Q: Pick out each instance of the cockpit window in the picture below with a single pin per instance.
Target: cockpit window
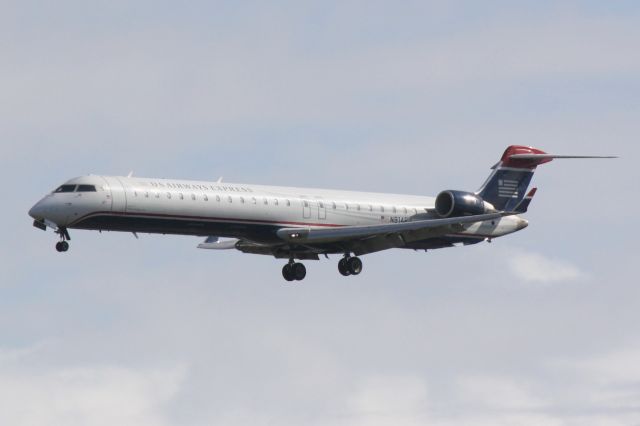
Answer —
(66, 188)
(86, 188)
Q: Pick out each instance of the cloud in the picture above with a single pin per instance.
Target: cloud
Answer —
(536, 268)
(497, 393)
(98, 395)
(621, 366)
(382, 400)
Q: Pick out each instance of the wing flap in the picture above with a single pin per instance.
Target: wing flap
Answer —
(214, 243)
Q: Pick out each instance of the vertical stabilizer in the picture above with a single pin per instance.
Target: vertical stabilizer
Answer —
(507, 185)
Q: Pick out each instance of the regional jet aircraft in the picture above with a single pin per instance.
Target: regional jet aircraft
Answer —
(297, 223)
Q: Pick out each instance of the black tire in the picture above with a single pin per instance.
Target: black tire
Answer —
(342, 267)
(354, 265)
(287, 272)
(59, 246)
(299, 271)
(64, 245)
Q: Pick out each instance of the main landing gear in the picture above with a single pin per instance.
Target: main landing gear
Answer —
(63, 245)
(294, 271)
(350, 265)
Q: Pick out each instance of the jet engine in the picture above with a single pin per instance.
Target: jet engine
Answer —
(460, 203)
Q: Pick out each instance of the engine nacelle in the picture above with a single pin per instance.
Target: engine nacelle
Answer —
(460, 203)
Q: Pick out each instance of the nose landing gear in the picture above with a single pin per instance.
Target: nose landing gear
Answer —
(63, 245)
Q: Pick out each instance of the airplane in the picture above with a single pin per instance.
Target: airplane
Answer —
(297, 223)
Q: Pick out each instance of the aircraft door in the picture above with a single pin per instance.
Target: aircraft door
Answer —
(306, 209)
(322, 210)
(117, 193)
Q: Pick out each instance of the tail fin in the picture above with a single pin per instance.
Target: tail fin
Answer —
(507, 185)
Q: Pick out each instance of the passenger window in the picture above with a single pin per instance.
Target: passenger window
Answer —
(395, 210)
(168, 195)
(404, 210)
(358, 207)
(346, 206)
(242, 200)
(253, 200)
(275, 201)
(157, 195)
(86, 188)
(382, 209)
(217, 198)
(66, 188)
(205, 197)
(306, 204)
(333, 205)
(266, 201)
(181, 196)
(230, 199)
(193, 196)
(370, 208)
(320, 204)
(146, 195)
(288, 203)
(415, 211)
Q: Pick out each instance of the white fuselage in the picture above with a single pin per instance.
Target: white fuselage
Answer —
(253, 212)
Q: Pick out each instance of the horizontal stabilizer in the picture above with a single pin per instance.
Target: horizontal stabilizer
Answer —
(526, 157)
(553, 156)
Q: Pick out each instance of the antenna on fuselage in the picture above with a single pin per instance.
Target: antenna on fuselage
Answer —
(219, 180)
(130, 174)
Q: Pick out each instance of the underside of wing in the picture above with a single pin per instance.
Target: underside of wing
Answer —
(310, 243)
(372, 238)
(347, 233)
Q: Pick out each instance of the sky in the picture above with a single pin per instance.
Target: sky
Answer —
(537, 328)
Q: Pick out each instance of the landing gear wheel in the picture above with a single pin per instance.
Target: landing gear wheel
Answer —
(299, 271)
(62, 246)
(287, 272)
(354, 265)
(294, 271)
(342, 267)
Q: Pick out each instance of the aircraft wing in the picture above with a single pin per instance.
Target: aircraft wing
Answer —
(404, 230)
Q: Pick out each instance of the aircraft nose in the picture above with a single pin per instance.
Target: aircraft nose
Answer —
(36, 211)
